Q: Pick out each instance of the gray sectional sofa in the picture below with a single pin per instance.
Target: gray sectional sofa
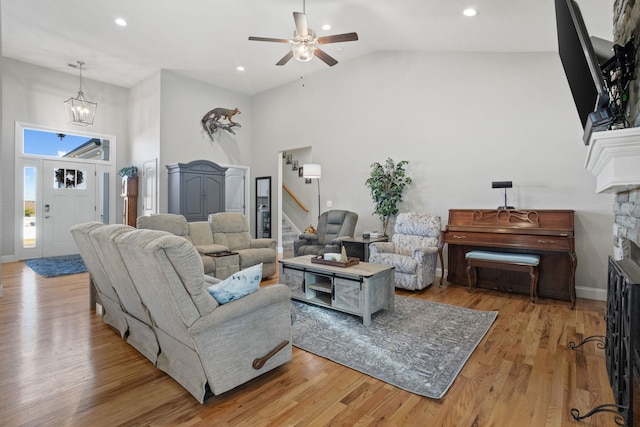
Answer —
(153, 289)
(222, 233)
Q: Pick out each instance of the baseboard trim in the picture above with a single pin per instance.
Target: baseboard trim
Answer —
(597, 294)
(8, 258)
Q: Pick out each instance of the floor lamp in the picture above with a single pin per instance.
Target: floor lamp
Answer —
(313, 171)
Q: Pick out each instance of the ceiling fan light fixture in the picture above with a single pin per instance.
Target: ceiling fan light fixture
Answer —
(303, 51)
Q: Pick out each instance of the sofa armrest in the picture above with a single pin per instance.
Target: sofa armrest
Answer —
(263, 243)
(213, 248)
(381, 247)
(312, 237)
(338, 240)
(421, 253)
(238, 309)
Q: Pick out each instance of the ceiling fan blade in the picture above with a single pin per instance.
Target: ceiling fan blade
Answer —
(347, 37)
(329, 60)
(301, 23)
(285, 58)
(268, 39)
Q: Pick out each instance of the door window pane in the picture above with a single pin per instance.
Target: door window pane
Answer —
(44, 143)
(69, 178)
(29, 208)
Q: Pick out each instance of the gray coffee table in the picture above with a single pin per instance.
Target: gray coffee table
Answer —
(362, 289)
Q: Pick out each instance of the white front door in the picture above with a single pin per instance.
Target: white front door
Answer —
(68, 198)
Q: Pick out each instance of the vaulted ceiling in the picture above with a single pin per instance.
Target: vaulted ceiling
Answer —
(207, 39)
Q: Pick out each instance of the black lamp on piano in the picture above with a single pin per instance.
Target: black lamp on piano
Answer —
(505, 185)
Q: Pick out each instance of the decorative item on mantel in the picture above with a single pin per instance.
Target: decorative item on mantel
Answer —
(213, 120)
(387, 183)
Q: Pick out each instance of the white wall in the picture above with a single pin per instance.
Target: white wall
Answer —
(144, 130)
(33, 94)
(183, 104)
(462, 121)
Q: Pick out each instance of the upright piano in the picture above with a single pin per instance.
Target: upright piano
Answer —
(547, 233)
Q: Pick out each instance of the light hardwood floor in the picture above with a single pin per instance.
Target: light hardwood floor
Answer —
(61, 365)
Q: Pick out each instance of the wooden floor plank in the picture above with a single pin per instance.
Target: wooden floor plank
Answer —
(61, 365)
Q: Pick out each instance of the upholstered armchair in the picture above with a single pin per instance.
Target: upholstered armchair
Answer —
(333, 226)
(232, 230)
(413, 250)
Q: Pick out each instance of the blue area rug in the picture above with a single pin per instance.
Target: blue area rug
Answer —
(57, 265)
(421, 347)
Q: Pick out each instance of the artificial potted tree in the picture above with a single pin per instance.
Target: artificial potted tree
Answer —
(387, 183)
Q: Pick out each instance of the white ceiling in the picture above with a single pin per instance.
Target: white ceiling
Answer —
(207, 39)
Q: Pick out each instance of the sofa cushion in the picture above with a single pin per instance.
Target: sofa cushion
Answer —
(200, 233)
(238, 285)
(172, 223)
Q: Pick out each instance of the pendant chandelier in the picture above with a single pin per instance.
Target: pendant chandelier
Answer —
(79, 111)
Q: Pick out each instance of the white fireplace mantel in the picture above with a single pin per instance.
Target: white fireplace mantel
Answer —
(614, 159)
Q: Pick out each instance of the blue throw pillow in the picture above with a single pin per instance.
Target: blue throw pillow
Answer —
(237, 285)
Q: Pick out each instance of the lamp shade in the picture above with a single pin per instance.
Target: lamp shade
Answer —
(311, 170)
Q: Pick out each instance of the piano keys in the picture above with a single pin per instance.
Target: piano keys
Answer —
(547, 233)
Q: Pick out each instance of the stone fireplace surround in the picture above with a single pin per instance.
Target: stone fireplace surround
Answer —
(614, 159)
(614, 156)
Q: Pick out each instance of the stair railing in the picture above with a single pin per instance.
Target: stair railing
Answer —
(298, 202)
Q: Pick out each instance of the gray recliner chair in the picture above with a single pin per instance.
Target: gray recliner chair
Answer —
(333, 226)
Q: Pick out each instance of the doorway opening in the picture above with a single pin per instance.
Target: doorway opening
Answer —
(63, 179)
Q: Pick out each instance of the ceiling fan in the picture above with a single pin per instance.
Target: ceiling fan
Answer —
(304, 43)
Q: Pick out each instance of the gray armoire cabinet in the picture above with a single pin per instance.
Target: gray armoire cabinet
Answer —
(196, 189)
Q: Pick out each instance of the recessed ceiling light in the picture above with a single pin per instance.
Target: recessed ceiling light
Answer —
(240, 68)
(326, 27)
(470, 12)
(120, 21)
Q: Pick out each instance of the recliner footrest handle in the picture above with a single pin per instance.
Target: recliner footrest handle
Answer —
(260, 361)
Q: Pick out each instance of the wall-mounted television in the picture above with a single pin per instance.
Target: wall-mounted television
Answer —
(583, 69)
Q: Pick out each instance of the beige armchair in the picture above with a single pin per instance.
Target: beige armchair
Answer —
(413, 250)
(333, 226)
(232, 230)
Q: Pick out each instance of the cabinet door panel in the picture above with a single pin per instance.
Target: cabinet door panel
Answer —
(347, 295)
(214, 190)
(194, 194)
(294, 279)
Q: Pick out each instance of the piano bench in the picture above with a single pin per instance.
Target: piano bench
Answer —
(504, 261)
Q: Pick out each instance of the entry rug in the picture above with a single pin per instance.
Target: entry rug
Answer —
(57, 265)
(421, 347)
